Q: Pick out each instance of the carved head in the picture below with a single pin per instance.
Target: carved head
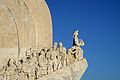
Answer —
(33, 53)
(50, 49)
(45, 49)
(28, 52)
(42, 53)
(55, 46)
(22, 60)
(60, 44)
(75, 34)
(73, 48)
(10, 62)
(64, 50)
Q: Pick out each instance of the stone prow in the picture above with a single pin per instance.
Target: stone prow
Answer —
(27, 24)
(55, 63)
(72, 72)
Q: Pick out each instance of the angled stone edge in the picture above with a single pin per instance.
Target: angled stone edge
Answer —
(72, 72)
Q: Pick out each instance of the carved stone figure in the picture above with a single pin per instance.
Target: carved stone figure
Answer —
(71, 54)
(55, 46)
(79, 53)
(42, 64)
(64, 57)
(76, 41)
(77, 44)
(49, 61)
(62, 53)
(53, 56)
(75, 54)
(36, 65)
(67, 60)
(59, 63)
(54, 60)
(49, 53)
(60, 47)
(11, 70)
(26, 28)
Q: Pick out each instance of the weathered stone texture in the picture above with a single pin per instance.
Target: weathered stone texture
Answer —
(72, 72)
(26, 51)
(24, 24)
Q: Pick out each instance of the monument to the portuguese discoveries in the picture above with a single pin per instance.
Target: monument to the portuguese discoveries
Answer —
(26, 51)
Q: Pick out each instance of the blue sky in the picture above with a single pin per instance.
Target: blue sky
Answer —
(99, 24)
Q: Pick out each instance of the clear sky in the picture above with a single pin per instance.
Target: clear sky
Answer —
(99, 24)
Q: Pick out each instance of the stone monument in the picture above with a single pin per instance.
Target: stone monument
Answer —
(26, 51)
(22, 26)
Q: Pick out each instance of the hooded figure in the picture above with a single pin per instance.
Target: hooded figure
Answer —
(76, 41)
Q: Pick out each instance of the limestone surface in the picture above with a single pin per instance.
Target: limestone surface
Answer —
(24, 24)
(54, 63)
(26, 51)
(72, 72)
(48, 64)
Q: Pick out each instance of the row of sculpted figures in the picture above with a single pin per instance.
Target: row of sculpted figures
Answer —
(38, 64)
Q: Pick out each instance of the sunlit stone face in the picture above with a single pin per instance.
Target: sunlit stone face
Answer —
(24, 24)
(26, 51)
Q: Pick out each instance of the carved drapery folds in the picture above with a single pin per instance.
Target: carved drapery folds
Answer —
(37, 64)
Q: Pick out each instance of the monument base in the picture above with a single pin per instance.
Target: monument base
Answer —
(72, 72)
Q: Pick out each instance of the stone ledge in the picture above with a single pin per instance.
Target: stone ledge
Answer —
(72, 72)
